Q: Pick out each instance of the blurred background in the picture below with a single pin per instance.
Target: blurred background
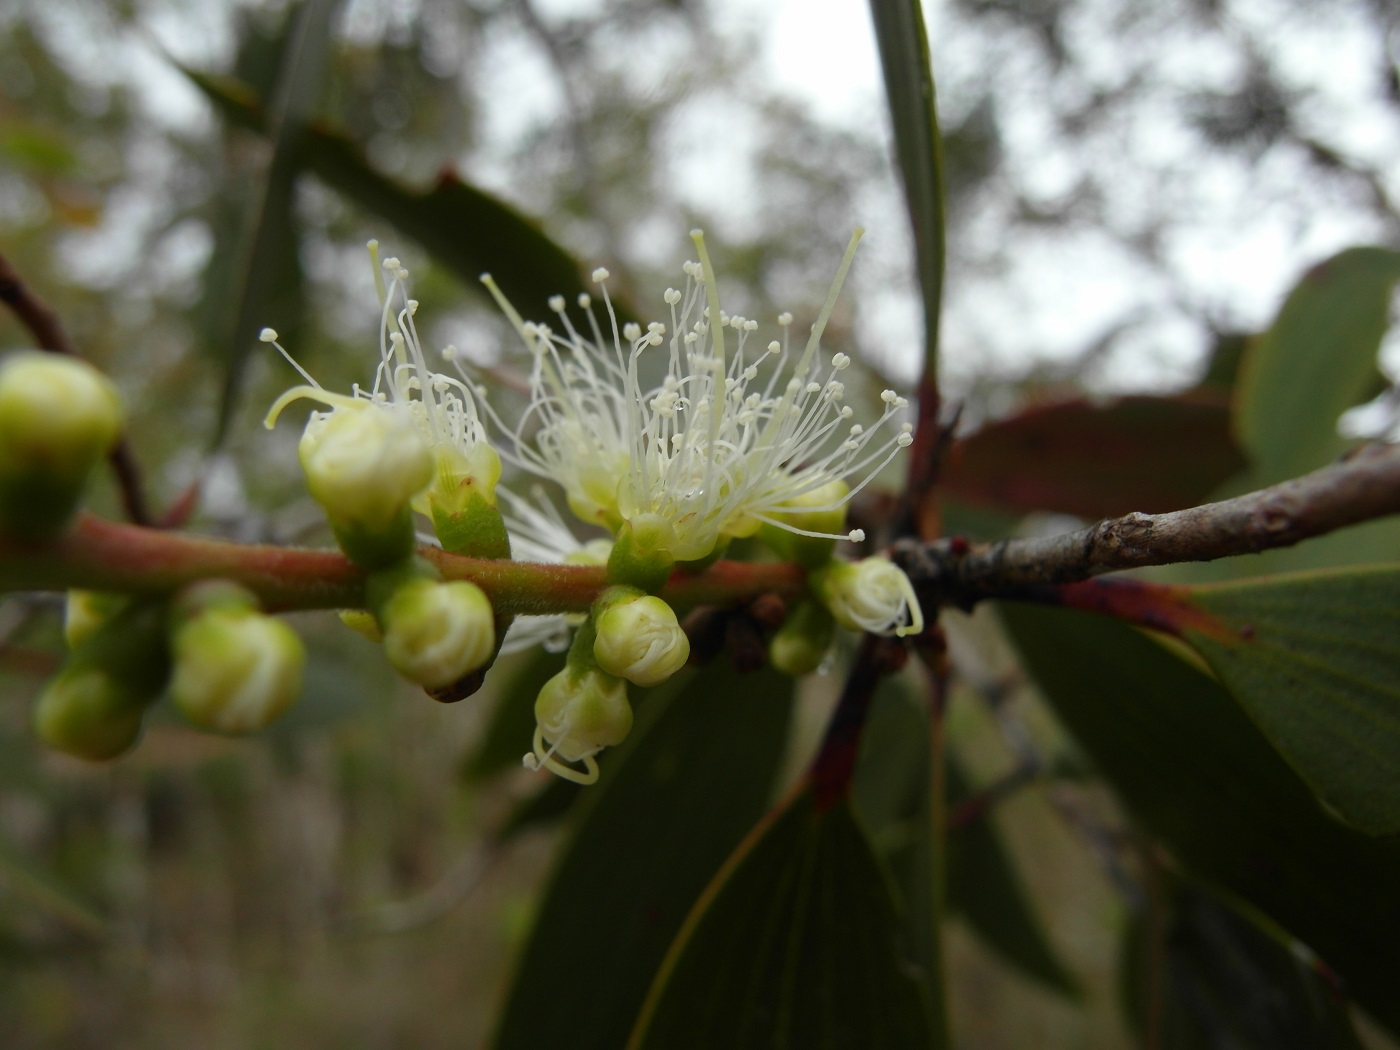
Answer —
(1130, 188)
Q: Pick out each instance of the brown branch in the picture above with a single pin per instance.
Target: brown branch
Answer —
(1363, 486)
(49, 334)
(96, 554)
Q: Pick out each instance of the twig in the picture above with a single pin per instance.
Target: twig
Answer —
(1363, 486)
(48, 332)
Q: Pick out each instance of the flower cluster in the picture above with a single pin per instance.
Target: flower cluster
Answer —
(726, 438)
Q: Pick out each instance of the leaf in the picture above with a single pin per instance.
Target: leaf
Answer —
(794, 945)
(1316, 360)
(464, 229)
(892, 792)
(985, 888)
(1226, 984)
(673, 803)
(1314, 659)
(1197, 774)
(904, 57)
(1143, 453)
(260, 278)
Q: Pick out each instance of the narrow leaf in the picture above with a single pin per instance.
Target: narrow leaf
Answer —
(904, 57)
(465, 229)
(1197, 774)
(1314, 658)
(673, 803)
(794, 945)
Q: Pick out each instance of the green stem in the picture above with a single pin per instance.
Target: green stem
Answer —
(106, 556)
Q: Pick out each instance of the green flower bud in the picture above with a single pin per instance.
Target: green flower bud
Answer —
(803, 640)
(364, 464)
(639, 639)
(642, 555)
(362, 623)
(821, 510)
(85, 611)
(59, 417)
(236, 670)
(92, 708)
(435, 633)
(86, 713)
(578, 714)
(870, 595)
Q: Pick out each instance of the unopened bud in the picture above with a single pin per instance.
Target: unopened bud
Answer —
(870, 595)
(822, 510)
(644, 553)
(84, 712)
(435, 633)
(640, 639)
(236, 670)
(85, 611)
(58, 417)
(578, 714)
(364, 465)
(803, 641)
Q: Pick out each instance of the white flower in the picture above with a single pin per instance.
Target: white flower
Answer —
(870, 595)
(440, 408)
(730, 438)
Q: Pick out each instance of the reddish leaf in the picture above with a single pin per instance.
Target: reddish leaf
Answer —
(1140, 453)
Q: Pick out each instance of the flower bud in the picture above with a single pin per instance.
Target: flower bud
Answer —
(870, 595)
(58, 417)
(803, 641)
(364, 464)
(820, 510)
(93, 707)
(435, 633)
(236, 670)
(642, 555)
(639, 639)
(577, 714)
(86, 713)
(85, 611)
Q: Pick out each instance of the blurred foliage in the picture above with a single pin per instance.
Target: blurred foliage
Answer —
(303, 888)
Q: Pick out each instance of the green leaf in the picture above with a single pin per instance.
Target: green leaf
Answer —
(673, 802)
(986, 889)
(1197, 774)
(794, 945)
(904, 57)
(1314, 659)
(260, 280)
(892, 793)
(1098, 461)
(1226, 984)
(464, 229)
(1317, 360)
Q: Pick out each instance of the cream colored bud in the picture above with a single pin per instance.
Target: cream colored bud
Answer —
(434, 633)
(364, 464)
(577, 714)
(641, 640)
(56, 413)
(236, 670)
(870, 595)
